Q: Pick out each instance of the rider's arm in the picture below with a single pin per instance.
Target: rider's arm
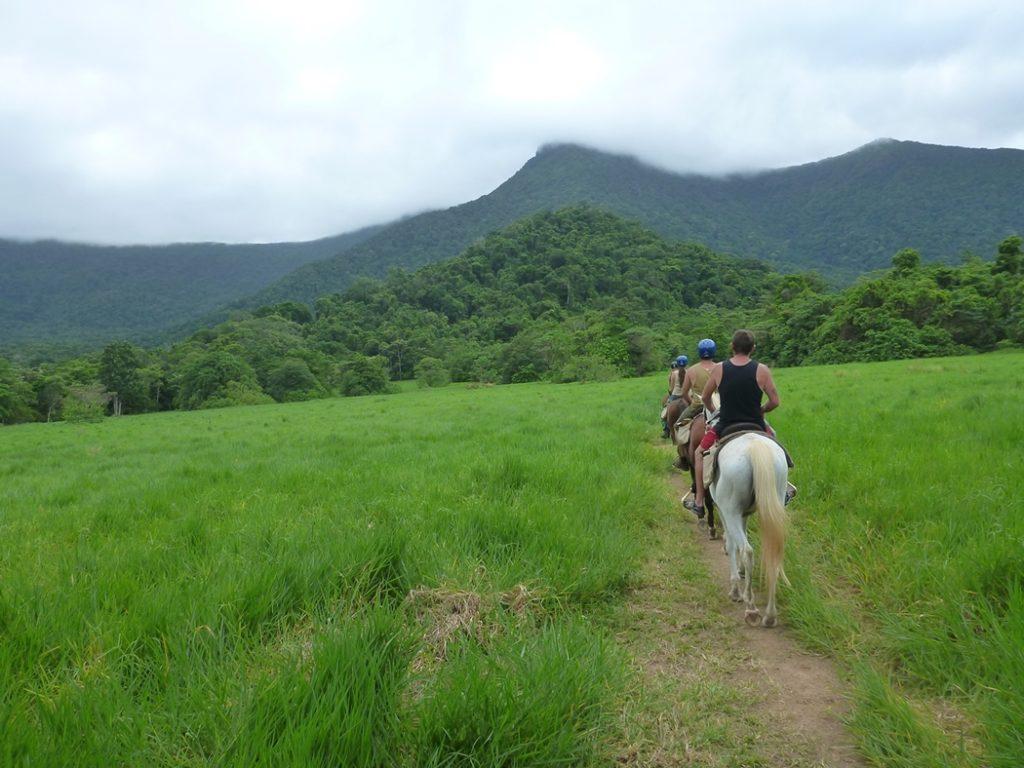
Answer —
(686, 389)
(767, 385)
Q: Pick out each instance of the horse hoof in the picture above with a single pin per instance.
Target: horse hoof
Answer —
(713, 534)
(768, 622)
(752, 617)
(735, 596)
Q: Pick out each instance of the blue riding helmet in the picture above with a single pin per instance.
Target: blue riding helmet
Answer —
(682, 360)
(706, 348)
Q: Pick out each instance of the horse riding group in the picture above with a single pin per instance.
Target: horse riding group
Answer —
(714, 414)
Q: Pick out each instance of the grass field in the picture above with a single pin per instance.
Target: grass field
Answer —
(909, 556)
(419, 579)
(323, 583)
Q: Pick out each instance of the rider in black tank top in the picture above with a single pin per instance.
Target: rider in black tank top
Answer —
(741, 396)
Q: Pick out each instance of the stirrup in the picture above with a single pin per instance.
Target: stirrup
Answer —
(790, 493)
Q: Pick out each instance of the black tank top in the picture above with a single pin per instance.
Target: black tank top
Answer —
(741, 396)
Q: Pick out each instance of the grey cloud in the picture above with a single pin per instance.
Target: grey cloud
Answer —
(249, 121)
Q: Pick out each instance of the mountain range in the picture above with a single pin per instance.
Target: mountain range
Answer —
(841, 216)
(79, 295)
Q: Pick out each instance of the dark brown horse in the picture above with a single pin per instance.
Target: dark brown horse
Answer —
(672, 411)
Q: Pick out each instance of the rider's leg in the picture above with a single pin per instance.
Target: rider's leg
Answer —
(790, 488)
(696, 435)
(698, 463)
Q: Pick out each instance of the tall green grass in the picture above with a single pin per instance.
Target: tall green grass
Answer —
(232, 586)
(274, 585)
(909, 551)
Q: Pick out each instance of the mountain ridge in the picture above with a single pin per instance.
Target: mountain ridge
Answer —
(778, 215)
(843, 216)
(137, 292)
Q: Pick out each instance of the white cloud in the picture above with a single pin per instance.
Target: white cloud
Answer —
(265, 120)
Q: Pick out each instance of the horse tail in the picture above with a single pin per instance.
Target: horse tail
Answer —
(770, 511)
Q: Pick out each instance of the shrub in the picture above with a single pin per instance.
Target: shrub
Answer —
(362, 375)
(292, 380)
(588, 368)
(84, 404)
(206, 376)
(238, 393)
(430, 372)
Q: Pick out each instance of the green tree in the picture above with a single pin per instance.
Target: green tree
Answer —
(363, 375)
(905, 261)
(640, 349)
(120, 364)
(85, 402)
(292, 380)
(431, 372)
(294, 311)
(15, 396)
(1008, 258)
(49, 390)
(207, 375)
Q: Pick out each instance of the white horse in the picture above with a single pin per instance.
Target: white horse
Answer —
(752, 475)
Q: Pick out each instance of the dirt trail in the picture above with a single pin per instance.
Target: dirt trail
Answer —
(715, 692)
(805, 692)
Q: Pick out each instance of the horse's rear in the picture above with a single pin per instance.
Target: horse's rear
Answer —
(752, 476)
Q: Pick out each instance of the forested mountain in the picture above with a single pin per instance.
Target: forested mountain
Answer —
(841, 216)
(577, 294)
(53, 292)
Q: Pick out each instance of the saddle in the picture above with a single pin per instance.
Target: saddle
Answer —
(682, 425)
(728, 435)
(682, 430)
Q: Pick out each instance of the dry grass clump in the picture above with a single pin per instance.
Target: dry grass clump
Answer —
(448, 616)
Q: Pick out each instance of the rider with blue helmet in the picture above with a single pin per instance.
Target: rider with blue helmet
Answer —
(696, 377)
(694, 380)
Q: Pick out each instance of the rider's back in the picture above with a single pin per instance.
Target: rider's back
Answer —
(741, 396)
(676, 379)
(699, 376)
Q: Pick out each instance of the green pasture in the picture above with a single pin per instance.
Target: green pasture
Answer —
(909, 549)
(418, 579)
(365, 581)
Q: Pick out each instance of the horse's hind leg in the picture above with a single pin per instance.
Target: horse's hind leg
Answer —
(709, 504)
(734, 542)
(752, 615)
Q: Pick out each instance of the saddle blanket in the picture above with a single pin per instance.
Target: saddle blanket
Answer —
(711, 457)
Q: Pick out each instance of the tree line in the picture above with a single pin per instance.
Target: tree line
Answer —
(574, 295)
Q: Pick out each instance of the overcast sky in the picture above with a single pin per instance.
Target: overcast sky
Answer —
(255, 121)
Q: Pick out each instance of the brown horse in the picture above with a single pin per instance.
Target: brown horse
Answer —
(672, 411)
(687, 452)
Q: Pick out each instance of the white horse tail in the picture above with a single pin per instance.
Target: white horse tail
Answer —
(770, 511)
